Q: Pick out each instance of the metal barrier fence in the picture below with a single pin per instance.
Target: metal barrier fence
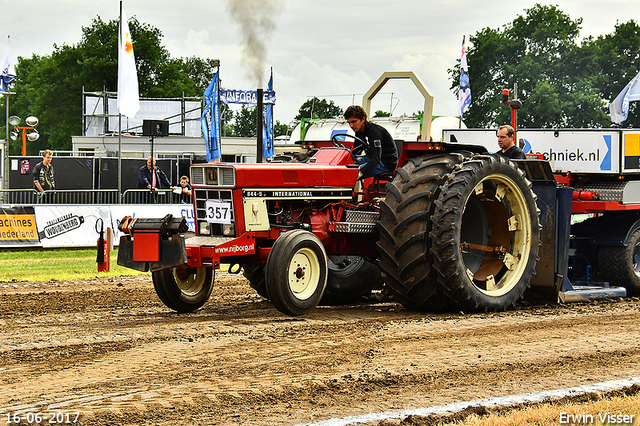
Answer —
(30, 197)
(161, 196)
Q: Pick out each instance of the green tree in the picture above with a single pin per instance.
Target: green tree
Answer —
(381, 113)
(50, 87)
(245, 122)
(280, 129)
(539, 52)
(318, 109)
(611, 61)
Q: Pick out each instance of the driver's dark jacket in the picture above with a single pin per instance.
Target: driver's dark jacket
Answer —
(381, 147)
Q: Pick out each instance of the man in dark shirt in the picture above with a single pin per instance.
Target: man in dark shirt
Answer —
(43, 178)
(380, 152)
(507, 146)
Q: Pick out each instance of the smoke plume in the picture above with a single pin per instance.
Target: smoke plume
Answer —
(256, 19)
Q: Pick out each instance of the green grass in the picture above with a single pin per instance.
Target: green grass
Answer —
(38, 265)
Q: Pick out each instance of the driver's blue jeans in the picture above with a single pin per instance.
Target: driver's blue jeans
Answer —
(379, 169)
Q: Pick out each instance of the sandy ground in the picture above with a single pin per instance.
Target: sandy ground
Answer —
(111, 351)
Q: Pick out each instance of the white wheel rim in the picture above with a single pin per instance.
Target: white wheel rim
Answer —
(304, 273)
(189, 280)
(516, 258)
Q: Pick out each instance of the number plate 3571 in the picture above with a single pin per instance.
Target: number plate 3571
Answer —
(218, 212)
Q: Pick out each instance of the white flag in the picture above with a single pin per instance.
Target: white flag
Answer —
(619, 108)
(5, 77)
(464, 93)
(128, 96)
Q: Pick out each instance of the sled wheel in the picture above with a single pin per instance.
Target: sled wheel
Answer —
(404, 226)
(350, 279)
(183, 288)
(621, 264)
(296, 272)
(254, 273)
(486, 235)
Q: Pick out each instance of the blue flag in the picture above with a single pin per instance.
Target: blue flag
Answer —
(210, 121)
(267, 125)
(5, 77)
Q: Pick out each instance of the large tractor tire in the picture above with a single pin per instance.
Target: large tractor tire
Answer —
(621, 264)
(296, 272)
(184, 289)
(486, 235)
(350, 279)
(254, 273)
(404, 226)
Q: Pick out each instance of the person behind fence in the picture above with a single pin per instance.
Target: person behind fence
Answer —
(184, 190)
(152, 178)
(43, 176)
(380, 155)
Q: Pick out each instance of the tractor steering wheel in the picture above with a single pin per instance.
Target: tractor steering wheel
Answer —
(338, 144)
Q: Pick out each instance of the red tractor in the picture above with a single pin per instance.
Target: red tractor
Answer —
(454, 226)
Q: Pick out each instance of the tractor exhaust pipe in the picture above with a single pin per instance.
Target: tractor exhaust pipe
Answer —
(259, 120)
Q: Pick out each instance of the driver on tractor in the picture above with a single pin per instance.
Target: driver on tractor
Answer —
(379, 155)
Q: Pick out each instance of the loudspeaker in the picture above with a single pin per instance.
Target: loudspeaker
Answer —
(155, 127)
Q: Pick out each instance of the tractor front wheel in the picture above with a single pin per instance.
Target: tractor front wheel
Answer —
(254, 273)
(183, 288)
(296, 272)
(350, 279)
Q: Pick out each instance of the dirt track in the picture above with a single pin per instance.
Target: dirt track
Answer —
(111, 351)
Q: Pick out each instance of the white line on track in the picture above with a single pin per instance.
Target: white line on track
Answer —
(489, 402)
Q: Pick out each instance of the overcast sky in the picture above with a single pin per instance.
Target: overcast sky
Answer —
(332, 49)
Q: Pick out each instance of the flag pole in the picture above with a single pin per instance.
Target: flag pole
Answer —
(119, 116)
(5, 150)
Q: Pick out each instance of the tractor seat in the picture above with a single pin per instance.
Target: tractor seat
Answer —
(386, 176)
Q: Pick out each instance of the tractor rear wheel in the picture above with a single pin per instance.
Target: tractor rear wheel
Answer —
(183, 288)
(350, 279)
(486, 235)
(296, 272)
(404, 226)
(621, 264)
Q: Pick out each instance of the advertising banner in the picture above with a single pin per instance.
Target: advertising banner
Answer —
(64, 226)
(18, 227)
(568, 150)
(75, 226)
(249, 97)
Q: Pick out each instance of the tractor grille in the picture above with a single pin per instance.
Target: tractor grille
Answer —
(227, 176)
(197, 175)
(358, 216)
(201, 196)
(358, 222)
(212, 175)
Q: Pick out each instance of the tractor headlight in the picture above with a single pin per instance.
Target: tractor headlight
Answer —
(228, 230)
(204, 228)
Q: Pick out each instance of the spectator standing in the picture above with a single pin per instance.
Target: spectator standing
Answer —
(152, 178)
(43, 175)
(184, 196)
